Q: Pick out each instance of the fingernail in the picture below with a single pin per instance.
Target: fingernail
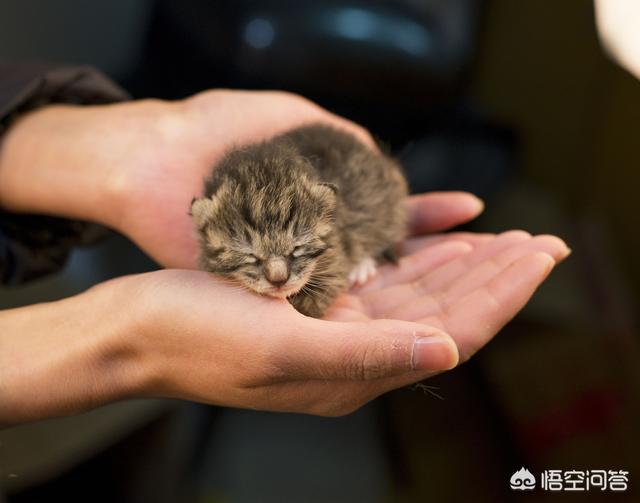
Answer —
(479, 203)
(565, 253)
(434, 352)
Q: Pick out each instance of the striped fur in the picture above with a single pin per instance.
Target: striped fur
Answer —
(314, 198)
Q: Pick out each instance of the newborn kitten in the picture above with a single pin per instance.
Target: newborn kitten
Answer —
(301, 216)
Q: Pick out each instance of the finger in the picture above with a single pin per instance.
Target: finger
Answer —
(493, 266)
(435, 300)
(475, 239)
(416, 265)
(437, 211)
(475, 318)
(387, 299)
(443, 276)
(358, 351)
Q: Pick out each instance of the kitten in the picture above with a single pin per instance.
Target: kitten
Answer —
(301, 216)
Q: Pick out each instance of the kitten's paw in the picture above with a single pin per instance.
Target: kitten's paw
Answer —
(362, 272)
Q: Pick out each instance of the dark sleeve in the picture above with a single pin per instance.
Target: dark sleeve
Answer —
(34, 245)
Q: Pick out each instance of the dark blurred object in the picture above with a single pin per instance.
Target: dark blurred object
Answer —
(466, 152)
(374, 61)
(400, 68)
(414, 45)
(149, 464)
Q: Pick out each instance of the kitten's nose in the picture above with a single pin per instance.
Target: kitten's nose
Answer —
(276, 271)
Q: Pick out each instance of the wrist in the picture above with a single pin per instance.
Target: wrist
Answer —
(69, 356)
(45, 167)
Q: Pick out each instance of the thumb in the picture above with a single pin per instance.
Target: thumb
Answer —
(366, 350)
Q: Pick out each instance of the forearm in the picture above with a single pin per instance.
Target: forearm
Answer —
(68, 356)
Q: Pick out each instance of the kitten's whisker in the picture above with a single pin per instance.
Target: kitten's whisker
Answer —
(310, 288)
(314, 283)
(313, 290)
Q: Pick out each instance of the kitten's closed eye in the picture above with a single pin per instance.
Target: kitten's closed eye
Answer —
(308, 251)
(252, 259)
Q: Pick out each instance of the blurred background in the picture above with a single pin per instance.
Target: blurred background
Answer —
(514, 101)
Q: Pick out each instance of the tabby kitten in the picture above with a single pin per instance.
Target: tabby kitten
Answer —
(300, 216)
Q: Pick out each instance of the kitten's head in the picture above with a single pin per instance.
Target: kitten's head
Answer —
(268, 235)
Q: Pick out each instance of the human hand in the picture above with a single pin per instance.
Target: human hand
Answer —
(133, 166)
(136, 166)
(207, 340)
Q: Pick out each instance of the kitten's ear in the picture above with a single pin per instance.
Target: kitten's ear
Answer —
(329, 185)
(325, 190)
(202, 210)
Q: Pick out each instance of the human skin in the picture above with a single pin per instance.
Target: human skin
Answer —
(617, 23)
(187, 334)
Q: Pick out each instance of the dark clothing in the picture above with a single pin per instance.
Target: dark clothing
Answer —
(34, 245)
